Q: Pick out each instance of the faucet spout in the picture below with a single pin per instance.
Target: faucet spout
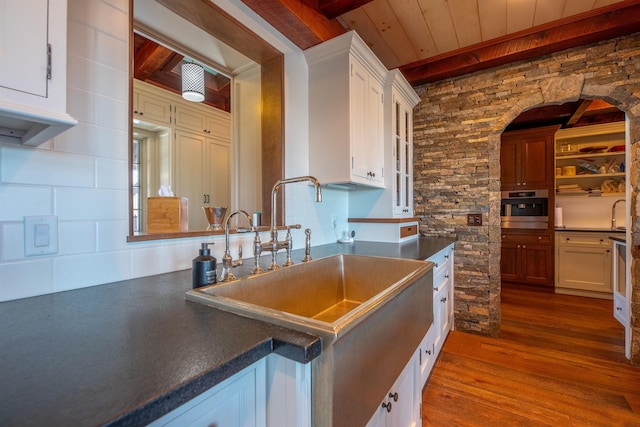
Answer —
(278, 184)
(613, 213)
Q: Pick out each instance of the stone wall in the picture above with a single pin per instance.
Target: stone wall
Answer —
(457, 128)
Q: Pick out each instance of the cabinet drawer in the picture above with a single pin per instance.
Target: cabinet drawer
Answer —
(584, 239)
(620, 310)
(526, 238)
(408, 230)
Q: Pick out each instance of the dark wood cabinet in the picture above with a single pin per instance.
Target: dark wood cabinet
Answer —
(526, 159)
(527, 257)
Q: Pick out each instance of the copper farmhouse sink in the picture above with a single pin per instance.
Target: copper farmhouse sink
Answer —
(370, 312)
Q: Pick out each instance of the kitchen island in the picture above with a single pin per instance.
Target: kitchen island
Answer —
(129, 352)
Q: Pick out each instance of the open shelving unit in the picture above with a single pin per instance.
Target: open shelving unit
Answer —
(574, 146)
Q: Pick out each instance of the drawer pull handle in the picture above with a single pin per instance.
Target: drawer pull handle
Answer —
(387, 406)
(394, 396)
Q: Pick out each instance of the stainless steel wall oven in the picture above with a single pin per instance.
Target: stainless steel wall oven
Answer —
(528, 209)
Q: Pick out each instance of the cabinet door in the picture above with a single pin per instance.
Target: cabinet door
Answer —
(398, 409)
(190, 150)
(402, 159)
(218, 166)
(365, 109)
(233, 403)
(509, 262)
(535, 168)
(23, 55)
(152, 108)
(509, 158)
(585, 267)
(427, 356)
(191, 119)
(537, 265)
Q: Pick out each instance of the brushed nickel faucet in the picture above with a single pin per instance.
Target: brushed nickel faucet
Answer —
(274, 245)
(613, 213)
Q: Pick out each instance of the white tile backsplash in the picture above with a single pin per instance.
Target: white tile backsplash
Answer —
(12, 234)
(25, 279)
(18, 201)
(79, 271)
(28, 166)
(76, 237)
(96, 204)
(113, 174)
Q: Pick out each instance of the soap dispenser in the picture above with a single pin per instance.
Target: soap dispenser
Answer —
(204, 268)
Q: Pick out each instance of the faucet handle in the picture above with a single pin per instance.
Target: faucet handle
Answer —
(307, 246)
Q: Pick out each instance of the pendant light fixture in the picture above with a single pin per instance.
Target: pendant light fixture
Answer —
(192, 82)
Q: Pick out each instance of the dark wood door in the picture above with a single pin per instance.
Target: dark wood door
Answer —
(509, 262)
(537, 264)
(535, 168)
(509, 160)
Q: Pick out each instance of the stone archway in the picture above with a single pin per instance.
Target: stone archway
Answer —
(558, 90)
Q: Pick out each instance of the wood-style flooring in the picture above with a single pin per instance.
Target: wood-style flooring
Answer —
(558, 362)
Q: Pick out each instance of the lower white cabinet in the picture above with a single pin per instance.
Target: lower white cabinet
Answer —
(620, 311)
(239, 401)
(406, 412)
(583, 263)
(401, 406)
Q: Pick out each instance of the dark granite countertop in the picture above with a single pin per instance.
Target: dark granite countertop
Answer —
(126, 353)
(591, 230)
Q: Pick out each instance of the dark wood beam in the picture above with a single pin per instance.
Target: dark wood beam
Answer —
(334, 8)
(600, 24)
(304, 25)
(149, 58)
(579, 112)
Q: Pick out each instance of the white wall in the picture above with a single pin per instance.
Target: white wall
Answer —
(82, 175)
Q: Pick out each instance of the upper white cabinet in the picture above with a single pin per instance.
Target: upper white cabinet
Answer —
(346, 112)
(33, 71)
(398, 136)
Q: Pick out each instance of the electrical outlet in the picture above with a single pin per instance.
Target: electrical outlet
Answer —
(474, 220)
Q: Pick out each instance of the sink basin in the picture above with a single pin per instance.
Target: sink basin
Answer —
(370, 312)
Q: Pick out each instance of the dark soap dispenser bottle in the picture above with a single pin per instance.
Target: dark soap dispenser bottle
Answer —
(204, 268)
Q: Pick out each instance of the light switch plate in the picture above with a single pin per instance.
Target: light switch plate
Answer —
(40, 235)
(474, 220)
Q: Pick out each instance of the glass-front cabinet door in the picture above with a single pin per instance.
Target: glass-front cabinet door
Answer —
(402, 155)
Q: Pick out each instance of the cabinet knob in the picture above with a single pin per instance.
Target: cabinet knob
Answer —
(446, 276)
(428, 352)
(394, 396)
(443, 299)
(435, 289)
(619, 308)
(387, 406)
(539, 237)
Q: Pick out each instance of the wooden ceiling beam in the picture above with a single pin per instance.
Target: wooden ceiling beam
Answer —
(149, 58)
(334, 8)
(579, 112)
(599, 24)
(304, 25)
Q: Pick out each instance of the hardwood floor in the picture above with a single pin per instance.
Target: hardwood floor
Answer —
(558, 362)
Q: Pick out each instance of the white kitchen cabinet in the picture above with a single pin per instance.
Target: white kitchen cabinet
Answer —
(149, 106)
(584, 264)
(346, 112)
(399, 408)
(442, 295)
(209, 121)
(201, 174)
(33, 71)
(238, 401)
(398, 118)
(620, 304)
